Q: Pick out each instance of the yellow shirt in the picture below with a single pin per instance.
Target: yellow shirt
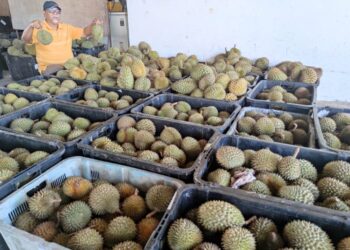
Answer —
(60, 50)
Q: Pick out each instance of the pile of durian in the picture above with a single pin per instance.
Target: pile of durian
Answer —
(300, 95)
(137, 68)
(54, 125)
(11, 102)
(283, 128)
(17, 160)
(268, 173)
(218, 224)
(182, 110)
(142, 140)
(105, 99)
(336, 130)
(295, 72)
(18, 48)
(84, 215)
(52, 86)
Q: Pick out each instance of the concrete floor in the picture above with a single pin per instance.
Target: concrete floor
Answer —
(336, 104)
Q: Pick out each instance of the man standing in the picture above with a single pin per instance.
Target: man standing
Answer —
(52, 56)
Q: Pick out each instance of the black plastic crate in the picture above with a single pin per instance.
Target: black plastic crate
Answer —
(21, 67)
(320, 112)
(37, 111)
(27, 82)
(290, 87)
(78, 94)
(93, 51)
(33, 98)
(318, 158)
(111, 129)
(10, 140)
(196, 103)
(233, 129)
(192, 196)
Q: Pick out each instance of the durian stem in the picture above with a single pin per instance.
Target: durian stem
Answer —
(296, 152)
(295, 127)
(250, 220)
(136, 192)
(151, 214)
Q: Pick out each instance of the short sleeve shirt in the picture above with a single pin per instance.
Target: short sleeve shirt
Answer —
(60, 50)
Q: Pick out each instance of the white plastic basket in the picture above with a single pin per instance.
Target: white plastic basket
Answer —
(15, 204)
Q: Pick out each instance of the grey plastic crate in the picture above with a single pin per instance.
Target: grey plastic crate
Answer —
(33, 98)
(159, 100)
(38, 111)
(318, 158)
(10, 141)
(316, 84)
(27, 81)
(16, 204)
(111, 129)
(320, 112)
(78, 94)
(21, 67)
(192, 196)
(290, 87)
(233, 129)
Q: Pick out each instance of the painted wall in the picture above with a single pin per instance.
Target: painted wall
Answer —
(316, 33)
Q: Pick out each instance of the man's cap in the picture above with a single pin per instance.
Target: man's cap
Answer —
(50, 4)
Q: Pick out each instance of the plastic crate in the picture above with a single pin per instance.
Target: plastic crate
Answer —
(291, 87)
(21, 67)
(33, 98)
(159, 100)
(233, 129)
(111, 129)
(192, 196)
(37, 111)
(16, 204)
(78, 94)
(27, 82)
(320, 112)
(93, 51)
(316, 84)
(318, 158)
(256, 81)
(10, 141)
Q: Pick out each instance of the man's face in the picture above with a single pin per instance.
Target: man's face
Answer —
(53, 15)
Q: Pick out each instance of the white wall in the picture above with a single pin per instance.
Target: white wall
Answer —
(314, 32)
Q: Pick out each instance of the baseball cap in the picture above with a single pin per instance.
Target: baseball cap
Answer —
(50, 4)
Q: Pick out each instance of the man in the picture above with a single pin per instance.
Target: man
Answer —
(51, 57)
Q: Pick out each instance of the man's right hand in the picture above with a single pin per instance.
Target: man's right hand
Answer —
(36, 24)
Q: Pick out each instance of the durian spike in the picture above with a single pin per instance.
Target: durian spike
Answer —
(250, 220)
(280, 135)
(296, 152)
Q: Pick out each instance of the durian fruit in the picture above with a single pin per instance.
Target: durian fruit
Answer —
(200, 70)
(121, 228)
(169, 162)
(264, 126)
(191, 147)
(309, 185)
(134, 207)
(100, 225)
(158, 197)
(143, 139)
(145, 229)
(125, 189)
(146, 124)
(148, 155)
(86, 239)
(126, 245)
(125, 122)
(97, 33)
(46, 230)
(257, 187)
(215, 91)
(125, 78)
(138, 69)
(171, 135)
(246, 124)
(44, 203)
(184, 234)
(238, 238)
(339, 170)
(345, 135)
(306, 235)
(344, 244)
(289, 167)
(26, 222)
(77, 73)
(238, 87)
(220, 177)
(44, 37)
(308, 75)
(216, 216)
(332, 141)
(265, 160)
(262, 63)
(74, 216)
(296, 193)
(184, 86)
(104, 199)
(341, 120)
(61, 239)
(275, 74)
(261, 227)
(22, 124)
(76, 187)
(336, 204)
(207, 246)
(332, 187)
(308, 171)
(230, 157)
